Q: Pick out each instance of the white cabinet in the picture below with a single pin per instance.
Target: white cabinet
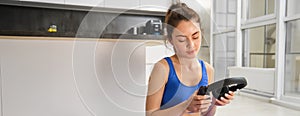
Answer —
(47, 1)
(37, 79)
(72, 78)
(92, 3)
(149, 5)
(122, 4)
(155, 5)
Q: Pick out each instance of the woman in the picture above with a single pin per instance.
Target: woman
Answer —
(174, 81)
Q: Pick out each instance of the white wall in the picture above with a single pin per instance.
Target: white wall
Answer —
(259, 79)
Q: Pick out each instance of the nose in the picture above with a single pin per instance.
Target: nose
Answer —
(190, 43)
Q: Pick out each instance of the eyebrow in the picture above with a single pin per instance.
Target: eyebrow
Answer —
(180, 36)
(185, 36)
(196, 33)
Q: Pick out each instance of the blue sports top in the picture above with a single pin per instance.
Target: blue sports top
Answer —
(175, 91)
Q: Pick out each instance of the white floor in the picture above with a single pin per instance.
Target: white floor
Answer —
(248, 106)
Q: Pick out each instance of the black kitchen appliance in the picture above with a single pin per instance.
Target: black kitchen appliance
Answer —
(153, 27)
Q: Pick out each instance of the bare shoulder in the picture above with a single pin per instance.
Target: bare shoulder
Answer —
(160, 71)
(158, 77)
(161, 66)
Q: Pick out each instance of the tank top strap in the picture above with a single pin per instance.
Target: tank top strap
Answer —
(171, 66)
(204, 80)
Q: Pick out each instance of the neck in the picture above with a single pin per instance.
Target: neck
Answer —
(186, 61)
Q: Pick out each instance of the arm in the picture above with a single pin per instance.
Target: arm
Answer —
(223, 101)
(157, 81)
(210, 74)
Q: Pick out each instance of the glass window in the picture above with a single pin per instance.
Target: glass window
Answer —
(225, 14)
(224, 53)
(259, 47)
(257, 8)
(293, 7)
(292, 71)
(293, 29)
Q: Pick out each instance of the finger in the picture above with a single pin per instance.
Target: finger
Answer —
(220, 103)
(203, 109)
(201, 102)
(196, 103)
(228, 96)
(231, 93)
(198, 97)
(201, 97)
(205, 106)
(207, 97)
(206, 101)
(224, 100)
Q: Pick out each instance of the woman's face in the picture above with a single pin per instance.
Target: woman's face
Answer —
(186, 39)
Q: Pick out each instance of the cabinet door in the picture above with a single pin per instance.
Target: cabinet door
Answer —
(37, 79)
(68, 78)
(153, 55)
(92, 3)
(122, 4)
(155, 5)
(47, 1)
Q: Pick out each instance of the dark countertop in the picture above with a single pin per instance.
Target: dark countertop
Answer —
(130, 36)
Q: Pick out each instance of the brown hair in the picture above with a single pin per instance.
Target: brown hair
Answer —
(176, 13)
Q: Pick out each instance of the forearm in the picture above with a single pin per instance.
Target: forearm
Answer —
(211, 111)
(178, 110)
(192, 114)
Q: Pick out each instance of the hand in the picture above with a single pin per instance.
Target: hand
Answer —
(200, 103)
(226, 100)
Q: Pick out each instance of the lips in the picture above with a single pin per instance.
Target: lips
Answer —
(191, 52)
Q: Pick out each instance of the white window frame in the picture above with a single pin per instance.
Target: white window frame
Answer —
(288, 101)
(246, 23)
(278, 18)
(219, 32)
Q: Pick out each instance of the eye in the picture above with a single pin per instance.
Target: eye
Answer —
(181, 39)
(196, 35)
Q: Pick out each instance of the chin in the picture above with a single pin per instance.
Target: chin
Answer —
(192, 56)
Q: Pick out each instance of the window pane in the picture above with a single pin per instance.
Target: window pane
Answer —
(293, 7)
(293, 29)
(257, 8)
(224, 14)
(270, 6)
(231, 6)
(292, 75)
(292, 63)
(259, 47)
(224, 53)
